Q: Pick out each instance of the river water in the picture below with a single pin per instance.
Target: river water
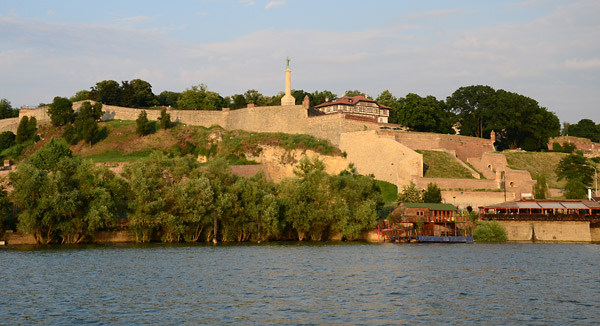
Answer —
(302, 283)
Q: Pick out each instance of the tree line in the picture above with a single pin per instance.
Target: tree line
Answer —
(519, 121)
(62, 198)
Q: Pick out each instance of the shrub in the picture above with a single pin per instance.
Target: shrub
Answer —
(489, 231)
(7, 139)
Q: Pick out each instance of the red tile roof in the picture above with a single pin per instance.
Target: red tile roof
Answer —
(348, 100)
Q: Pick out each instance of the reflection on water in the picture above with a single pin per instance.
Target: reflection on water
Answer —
(291, 283)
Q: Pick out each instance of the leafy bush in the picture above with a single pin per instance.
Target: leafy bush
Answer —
(7, 139)
(489, 231)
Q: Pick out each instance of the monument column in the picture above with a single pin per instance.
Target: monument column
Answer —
(288, 99)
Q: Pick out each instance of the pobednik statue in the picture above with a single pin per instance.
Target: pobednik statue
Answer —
(288, 99)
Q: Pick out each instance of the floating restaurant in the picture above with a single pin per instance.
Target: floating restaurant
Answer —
(546, 210)
(424, 222)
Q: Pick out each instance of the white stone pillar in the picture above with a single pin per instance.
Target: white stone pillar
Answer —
(288, 99)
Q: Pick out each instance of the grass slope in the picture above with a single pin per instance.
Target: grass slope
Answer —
(122, 144)
(535, 163)
(439, 164)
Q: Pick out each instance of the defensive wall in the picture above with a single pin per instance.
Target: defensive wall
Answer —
(389, 155)
(587, 146)
(463, 146)
(383, 157)
(468, 198)
(561, 231)
(9, 124)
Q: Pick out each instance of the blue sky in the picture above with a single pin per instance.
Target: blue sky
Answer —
(547, 50)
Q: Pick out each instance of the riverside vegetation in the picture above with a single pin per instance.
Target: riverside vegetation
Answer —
(64, 198)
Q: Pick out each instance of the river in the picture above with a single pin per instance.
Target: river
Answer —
(302, 283)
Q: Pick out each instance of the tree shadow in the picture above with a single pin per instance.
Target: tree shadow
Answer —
(102, 134)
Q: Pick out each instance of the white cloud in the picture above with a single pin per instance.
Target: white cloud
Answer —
(553, 59)
(135, 19)
(248, 2)
(274, 3)
(433, 13)
(583, 64)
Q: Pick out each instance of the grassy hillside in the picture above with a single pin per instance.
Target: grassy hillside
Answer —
(537, 163)
(120, 143)
(438, 164)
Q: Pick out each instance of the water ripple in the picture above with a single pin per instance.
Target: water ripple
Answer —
(301, 284)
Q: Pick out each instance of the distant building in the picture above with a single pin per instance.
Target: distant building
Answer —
(358, 106)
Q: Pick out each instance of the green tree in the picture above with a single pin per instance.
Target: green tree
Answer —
(573, 167)
(7, 139)
(47, 157)
(317, 97)
(5, 210)
(410, 194)
(422, 114)
(82, 95)
(585, 128)
(575, 189)
(518, 120)
(489, 231)
(433, 194)
(352, 93)
(6, 110)
(472, 103)
(237, 101)
(387, 98)
(70, 201)
(106, 92)
(137, 93)
(200, 98)
(143, 126)
(26, 129)
(86, 126)
(168, 98)
(164, 121)
(540, 190)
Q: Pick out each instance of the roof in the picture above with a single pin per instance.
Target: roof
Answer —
(547, 204)
(351, 100)
(431, 206)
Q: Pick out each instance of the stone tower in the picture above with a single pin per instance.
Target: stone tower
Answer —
(288, 99)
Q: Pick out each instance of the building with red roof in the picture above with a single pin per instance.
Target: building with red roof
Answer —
(357, 106)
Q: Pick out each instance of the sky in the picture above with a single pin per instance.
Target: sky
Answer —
(548, 50)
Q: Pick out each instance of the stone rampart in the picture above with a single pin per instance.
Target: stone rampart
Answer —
(328, 127)
(560, 231)
(457, 184)
(9, 124)
(595, 232)
(584, 144)
(40, 114)
(489, 163)
(464, 199)
(290, 119)
(383, 157)
(464, 146)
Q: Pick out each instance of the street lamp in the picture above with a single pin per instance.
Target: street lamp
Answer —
(595, 179)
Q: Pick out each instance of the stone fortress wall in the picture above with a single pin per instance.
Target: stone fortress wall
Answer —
(388, 155)
(588, 147)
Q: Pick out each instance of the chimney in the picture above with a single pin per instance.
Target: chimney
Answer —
(589, 193)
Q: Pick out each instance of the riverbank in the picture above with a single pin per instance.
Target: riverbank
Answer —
(517, 231)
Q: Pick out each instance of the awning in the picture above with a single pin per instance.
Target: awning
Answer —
(574, 205)
(532, 205)
(551, 205)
